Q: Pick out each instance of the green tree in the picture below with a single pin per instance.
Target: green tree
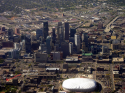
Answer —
(29, 65)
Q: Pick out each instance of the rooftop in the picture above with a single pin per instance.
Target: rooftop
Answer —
(87, 54)
(52, 68)
(74, 58)
(118, 59)
(104, 60)
(115, 72)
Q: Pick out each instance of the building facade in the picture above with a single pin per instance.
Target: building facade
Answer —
(66, 31)
(53, 36)
(72, 32)
(40, 57)
(2, 28)
(10, 34)
(39, 32)
(71, 48)
(58, 30)
(65, 49)
(48, 44)
(17, 31)
(27, 44)
(45, 30)
(77, 42)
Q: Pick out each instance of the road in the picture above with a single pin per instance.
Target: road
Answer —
(79, 18)
(108, 28)
(112, 77)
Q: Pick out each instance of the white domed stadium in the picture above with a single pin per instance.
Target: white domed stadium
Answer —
(79, 85)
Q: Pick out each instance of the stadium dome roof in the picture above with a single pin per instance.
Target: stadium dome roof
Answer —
(79, 85)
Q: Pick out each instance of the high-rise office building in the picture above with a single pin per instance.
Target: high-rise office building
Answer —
(16, 39)
(58, 30)
(53, 35)
(39, 33)
(53, 31)
(77, 42)
(35, 45)
(42, 47)
(17, 31)
(57, 47)
(61, 34)
(33, 38)
(16, 46)
(45, 30)
(22, 44)
(2, 28)
(71, 39)
(65, 49)
(84, 47)
(28, 44)
(66, 31)
(71, 48)
(13, 53)
(72, 32)
(48, 44)
(41, 39)
(10, 34)
(85, 38)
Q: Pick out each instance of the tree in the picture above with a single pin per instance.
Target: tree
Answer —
(29, 65)
(17, 72)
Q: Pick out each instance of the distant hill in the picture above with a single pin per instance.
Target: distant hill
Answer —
(120, 2)
(18, 5)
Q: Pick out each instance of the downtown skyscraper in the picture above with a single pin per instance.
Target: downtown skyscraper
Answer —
(45, 30)
(66, 30)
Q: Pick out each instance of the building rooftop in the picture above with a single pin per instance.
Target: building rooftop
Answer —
(4, 50)
(87, 54)
(74, 58)
(104, 60)
(118, 60)
(115, 72)
(52, 68)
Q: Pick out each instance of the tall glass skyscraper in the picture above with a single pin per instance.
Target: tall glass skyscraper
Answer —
(67, 31)
(38, 33)
(72, 32)
(45, 30)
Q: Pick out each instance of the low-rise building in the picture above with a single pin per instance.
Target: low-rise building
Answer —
(104, 61)
(116, 74)
(118, 60)
(40, 57)
(115, 45)
(56, 55)
(52, 69)
(113, 37)
(72, 59)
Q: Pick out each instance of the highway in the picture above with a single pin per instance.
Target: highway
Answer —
(108, 28)
(79, 18)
